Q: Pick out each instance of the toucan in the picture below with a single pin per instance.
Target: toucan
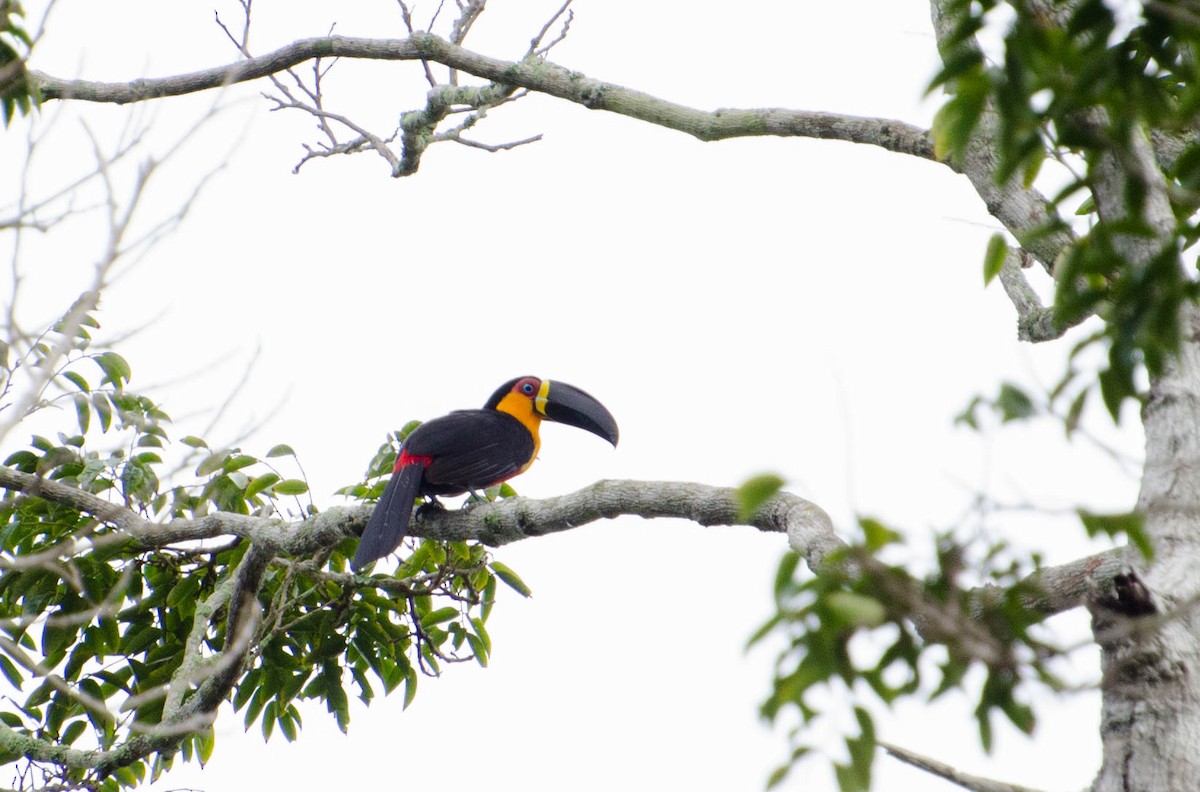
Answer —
(469, 450)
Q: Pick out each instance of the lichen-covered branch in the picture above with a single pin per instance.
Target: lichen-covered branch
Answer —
(809, 529)
(1024, 212)
(103, 510)
(534, 74)
(1035, 322)
(204, 681)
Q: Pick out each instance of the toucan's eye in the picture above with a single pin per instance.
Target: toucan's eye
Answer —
(527, 389)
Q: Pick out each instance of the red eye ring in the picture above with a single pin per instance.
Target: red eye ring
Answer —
(527, 386)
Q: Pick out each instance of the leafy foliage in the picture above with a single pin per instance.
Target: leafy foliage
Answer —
(1071, 82)
(17, 92)
(108, 638)
(882, 633)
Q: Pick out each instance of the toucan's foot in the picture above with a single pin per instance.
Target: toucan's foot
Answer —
(431, 505)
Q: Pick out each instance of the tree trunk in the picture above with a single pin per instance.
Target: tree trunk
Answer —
(1148, 628)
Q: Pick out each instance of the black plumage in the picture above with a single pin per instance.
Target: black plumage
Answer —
(470, 450)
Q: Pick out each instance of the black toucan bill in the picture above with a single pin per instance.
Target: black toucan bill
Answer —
(470, 450)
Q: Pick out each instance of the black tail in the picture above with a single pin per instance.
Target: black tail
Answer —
(389, 521)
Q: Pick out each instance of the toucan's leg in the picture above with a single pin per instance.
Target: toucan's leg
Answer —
(430, 504)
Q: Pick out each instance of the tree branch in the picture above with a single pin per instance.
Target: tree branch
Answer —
(201, 684)
(954, 776)
(85, 502)
(1034, 321)
(1027, 214)
(533, 74)
(809, 529)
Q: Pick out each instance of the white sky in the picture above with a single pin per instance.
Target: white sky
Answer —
(805, 307)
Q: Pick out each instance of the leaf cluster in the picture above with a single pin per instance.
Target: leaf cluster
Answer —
(1072, 83)
(107, 637)
(884, 634)
(18, 93)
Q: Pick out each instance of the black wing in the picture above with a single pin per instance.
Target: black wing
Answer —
(470, 449)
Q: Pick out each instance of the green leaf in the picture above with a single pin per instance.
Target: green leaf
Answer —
(73, 732)
(116, 369)
(193, 442)
(511, 579)
(862, 748)
(55, 458)
(10, 672)
(410, 686)
(291, 487)
(766, 629)
(478, 648)
(269, 719)
(237, 462)
(288, 727)
(1014, 404)
(57, 637)
(778, 775)
(83, 412)
(1033, 165)
(847, 778)
(785, 572)
(439, 616)
(1075, 412)
(103, 410)
(856, 610)
(406, 430)
(993, 259)
(282, 449)
(754, 492)
(78, 381)
(257, 701)
(1115, 387)
(489, 598)
(957, 119)
(1020, 714)
(260, 483)
(211, 463)
(205, 742)
(1132, 524)
(876, 534)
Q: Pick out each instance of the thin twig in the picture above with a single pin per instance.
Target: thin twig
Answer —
(535, 45)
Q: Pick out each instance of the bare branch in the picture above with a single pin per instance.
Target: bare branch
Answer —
(494, 147)
(535, 75)
(468, 13)
(365, 139)
(122, 250)
(406, 15)
(535, 45)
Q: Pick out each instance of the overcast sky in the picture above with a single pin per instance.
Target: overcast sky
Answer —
(810, 308)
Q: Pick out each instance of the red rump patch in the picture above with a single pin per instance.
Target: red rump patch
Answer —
(405, 459)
